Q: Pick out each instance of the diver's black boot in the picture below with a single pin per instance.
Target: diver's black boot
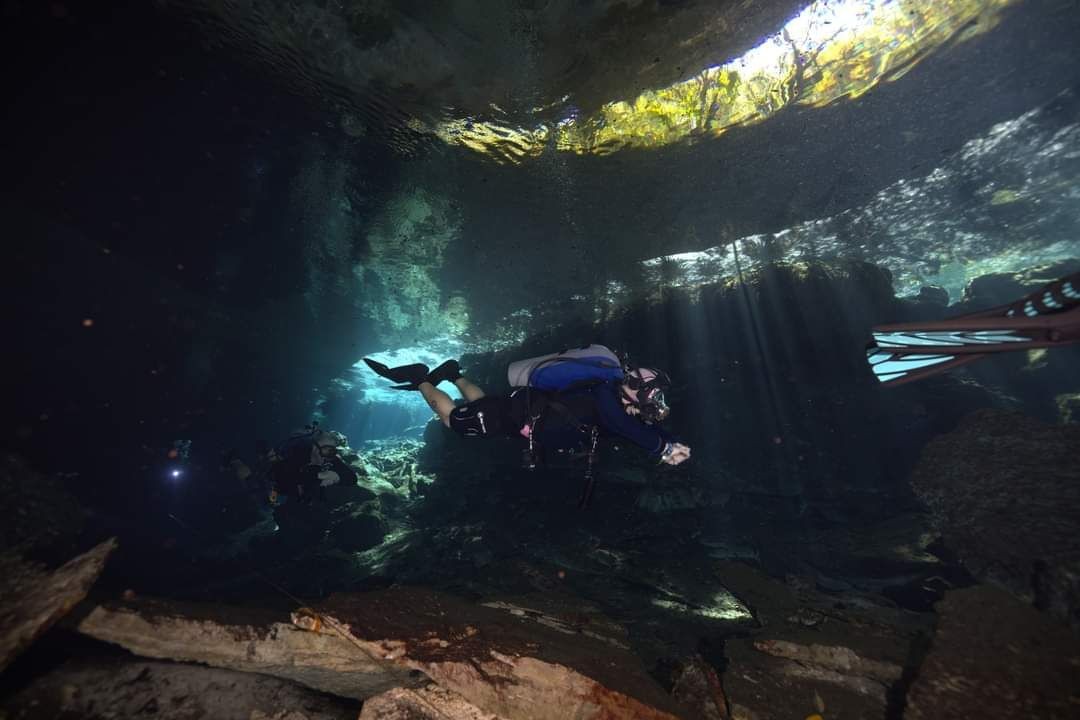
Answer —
(411, 375)
(449, 370)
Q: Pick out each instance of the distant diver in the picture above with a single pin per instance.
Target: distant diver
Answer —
(303, 466)
(561, 402)
(1048, 317)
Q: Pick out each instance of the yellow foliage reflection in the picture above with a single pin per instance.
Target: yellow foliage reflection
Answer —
(832, 50)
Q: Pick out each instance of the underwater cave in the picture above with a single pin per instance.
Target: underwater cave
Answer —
(529, 361)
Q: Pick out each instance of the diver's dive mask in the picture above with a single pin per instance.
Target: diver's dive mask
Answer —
(648, 386)
(653, 408)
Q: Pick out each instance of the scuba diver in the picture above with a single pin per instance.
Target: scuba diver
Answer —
(561, 402)
(305, 464)
(1048, 317)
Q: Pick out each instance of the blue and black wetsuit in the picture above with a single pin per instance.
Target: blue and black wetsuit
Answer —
(558, 429)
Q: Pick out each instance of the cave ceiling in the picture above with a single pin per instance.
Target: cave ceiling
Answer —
(577, 139)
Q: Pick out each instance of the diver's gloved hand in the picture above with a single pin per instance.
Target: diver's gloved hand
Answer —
(675, 453)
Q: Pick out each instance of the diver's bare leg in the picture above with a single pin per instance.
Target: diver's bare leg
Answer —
(438, 401)
(468, 391)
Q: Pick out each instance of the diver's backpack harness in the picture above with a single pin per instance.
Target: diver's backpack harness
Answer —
(567, 369)
(558, 373)
(590, 479)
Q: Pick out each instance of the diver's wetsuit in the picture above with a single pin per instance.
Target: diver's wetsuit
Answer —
(297, 472)
(597, 405)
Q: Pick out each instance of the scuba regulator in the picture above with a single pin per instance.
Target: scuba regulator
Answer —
(648, 395)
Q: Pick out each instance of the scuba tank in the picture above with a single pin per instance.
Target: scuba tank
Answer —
(566, 369)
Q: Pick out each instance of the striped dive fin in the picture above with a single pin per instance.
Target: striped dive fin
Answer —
(894, 368)
(946, 338)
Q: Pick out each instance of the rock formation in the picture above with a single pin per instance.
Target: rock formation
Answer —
(993, 657)
(1004, 491)
(131, 687)
(416, 654)
(45, 514)
(427, 703)
(362, 645)
(32, 599)
(814, 653)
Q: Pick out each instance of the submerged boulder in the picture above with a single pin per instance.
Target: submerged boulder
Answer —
(763, 685)
(1004, 491)
(999, 288)
(33, 599)
(427, 703)
(994, 657)
(359, 531)
(810, 653)
(130, 687)
(501, 662)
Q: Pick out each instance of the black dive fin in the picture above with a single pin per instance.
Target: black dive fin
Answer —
(411, 375)
(449, 370)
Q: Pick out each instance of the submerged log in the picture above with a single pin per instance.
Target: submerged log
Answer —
(360, 645)
(33, 599)
(249, 640)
